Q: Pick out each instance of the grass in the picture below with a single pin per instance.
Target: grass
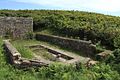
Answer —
(37, 53)
(24, 51)
(7, 72)
(55, 71)
(43, 53)
(32, 42)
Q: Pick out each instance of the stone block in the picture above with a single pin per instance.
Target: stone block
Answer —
(15, 27)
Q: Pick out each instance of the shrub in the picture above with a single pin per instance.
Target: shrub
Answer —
(114, 60)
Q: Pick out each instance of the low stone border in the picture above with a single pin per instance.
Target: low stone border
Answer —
(17, 60)
(85, 47)
(72, 58)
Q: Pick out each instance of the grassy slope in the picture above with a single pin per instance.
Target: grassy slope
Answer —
(56, 72)
(74, 23)
(100, 26)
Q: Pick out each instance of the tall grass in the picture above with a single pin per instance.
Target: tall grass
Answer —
(24, 51)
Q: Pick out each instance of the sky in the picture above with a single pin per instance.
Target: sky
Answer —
(109, 7)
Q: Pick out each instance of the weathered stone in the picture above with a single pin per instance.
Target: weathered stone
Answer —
(85, 47)
(12, 52)
(16, 27)
(103, 55)
(65, 57)
(17, 60)
(90, 63)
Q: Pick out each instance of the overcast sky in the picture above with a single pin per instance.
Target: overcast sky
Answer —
(111, 7)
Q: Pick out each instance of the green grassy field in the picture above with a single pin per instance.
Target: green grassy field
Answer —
(56, 71)
(103, 30)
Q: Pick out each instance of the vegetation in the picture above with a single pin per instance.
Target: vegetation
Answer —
(101, 71)
(92, 26)
(44, 53)
(99, 28)
(25, 51)
(23, 47)
(56, 72)
(23, 43)
(114, 60)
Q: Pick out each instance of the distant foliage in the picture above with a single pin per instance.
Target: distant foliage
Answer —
(91, 26)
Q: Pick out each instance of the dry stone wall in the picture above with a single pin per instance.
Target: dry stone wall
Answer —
(15, 57)
(16, 27)
(17, 60)
(85, 47)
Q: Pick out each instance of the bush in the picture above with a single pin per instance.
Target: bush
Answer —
(92, 26)
(114, 60)
(117, 41)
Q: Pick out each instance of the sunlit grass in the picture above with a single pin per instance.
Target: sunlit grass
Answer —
(24, 51)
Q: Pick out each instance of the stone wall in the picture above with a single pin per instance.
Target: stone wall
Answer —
(85, 47)
(15, 27)
(16, 59)
(62, 56)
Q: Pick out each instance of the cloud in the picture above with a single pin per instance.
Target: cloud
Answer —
(96, 5)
